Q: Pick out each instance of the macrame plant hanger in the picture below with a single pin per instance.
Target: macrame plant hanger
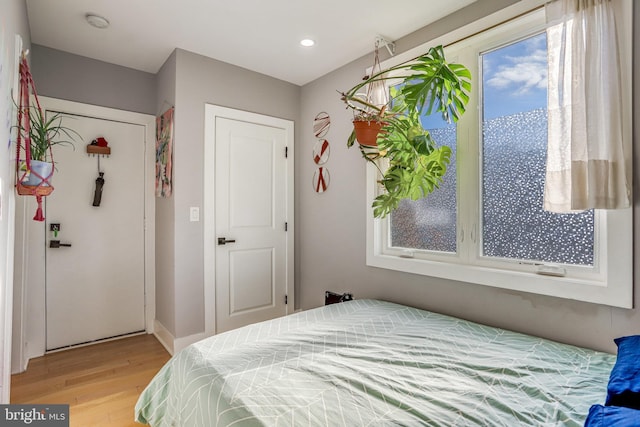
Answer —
(376, 98)
(377, 94)
(23, 142)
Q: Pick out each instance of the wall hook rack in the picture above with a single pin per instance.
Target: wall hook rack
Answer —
(96, 150)
(99, 147)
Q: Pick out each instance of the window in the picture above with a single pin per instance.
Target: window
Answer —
(430, 223)
(486, 223)
(514, 146)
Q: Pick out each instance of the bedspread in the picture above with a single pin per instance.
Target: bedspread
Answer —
(375, 363)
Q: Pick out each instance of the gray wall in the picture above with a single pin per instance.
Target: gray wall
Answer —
(332, 226)
(67, 76)
(165, 215)
(201, 80)
(186, 81)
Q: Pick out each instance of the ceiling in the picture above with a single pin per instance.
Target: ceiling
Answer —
(260, 35)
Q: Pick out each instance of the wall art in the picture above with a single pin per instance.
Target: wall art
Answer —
(164, 153)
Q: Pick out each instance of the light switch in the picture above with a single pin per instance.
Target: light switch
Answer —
(194, 214)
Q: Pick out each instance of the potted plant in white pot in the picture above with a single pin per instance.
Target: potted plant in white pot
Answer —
(43, 133)
(422, 86)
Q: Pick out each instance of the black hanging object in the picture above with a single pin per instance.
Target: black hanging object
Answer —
(97, 196)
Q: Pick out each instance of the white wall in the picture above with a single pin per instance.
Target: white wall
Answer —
(13, 21)
(332, 228)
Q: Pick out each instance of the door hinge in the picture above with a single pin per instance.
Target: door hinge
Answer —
(286, 152)
(286, 299)
(286, 226)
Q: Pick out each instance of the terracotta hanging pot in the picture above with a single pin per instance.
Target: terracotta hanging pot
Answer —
(367, 132)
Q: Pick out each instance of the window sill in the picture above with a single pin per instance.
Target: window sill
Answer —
(616, 293)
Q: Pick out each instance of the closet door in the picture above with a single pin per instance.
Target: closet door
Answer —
(253, 217)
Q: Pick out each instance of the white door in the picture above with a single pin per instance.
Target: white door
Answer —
(253, 219)
(95, 286)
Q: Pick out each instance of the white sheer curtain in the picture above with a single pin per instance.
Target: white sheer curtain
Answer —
(586, 165)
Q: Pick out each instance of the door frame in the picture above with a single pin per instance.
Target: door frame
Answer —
(212, 112)
(30, 239)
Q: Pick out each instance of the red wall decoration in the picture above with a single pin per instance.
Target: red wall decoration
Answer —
(321, 150)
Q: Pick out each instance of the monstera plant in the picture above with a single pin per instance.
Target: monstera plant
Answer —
(411, 163)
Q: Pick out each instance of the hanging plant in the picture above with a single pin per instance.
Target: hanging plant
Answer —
(366, 131)
(45, 132)
(423, 86)
(368, 110)
(36, 134)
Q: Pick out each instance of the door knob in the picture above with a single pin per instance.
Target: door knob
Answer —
(224, 240)
(56, 244)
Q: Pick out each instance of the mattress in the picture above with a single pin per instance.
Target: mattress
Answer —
(375, 363)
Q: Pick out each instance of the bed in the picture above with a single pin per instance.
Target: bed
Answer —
(375, 363)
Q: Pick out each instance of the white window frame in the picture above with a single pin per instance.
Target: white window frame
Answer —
(609, 282)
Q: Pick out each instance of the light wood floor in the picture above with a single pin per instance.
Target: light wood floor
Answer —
(101, 382)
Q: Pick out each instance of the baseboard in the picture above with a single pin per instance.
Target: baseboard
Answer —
(172, 344)
(23, 365)
(164, 336)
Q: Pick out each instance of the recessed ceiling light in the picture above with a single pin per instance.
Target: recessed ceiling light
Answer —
(96, 20)
(307, 42)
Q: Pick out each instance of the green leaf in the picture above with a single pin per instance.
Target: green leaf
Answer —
(352, 139)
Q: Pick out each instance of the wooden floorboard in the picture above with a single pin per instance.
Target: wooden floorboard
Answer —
(101, 382)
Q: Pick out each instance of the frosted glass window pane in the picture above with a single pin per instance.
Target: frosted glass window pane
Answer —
(430, 223)
(514, 224)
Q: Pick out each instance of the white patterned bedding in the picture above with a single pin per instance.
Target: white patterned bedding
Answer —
(374, 363)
